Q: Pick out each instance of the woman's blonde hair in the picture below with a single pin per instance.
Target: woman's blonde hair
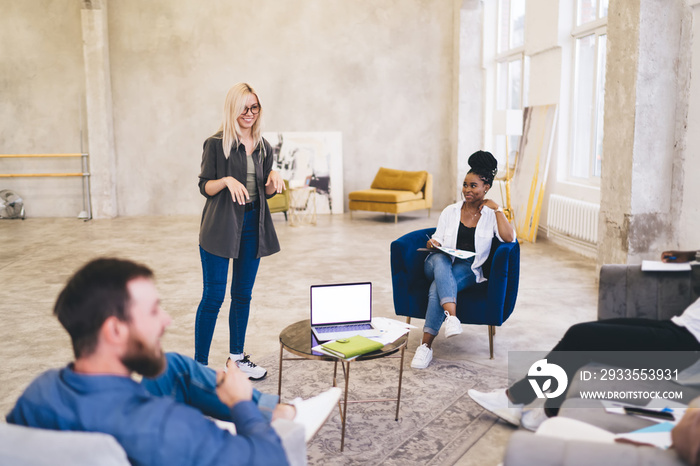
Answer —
(234, 105)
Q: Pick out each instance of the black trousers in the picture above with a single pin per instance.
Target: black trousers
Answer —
(612, 335)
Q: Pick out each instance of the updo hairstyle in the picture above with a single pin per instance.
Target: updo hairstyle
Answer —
(484, 165)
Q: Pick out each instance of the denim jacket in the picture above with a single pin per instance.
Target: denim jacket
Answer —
(152, 430)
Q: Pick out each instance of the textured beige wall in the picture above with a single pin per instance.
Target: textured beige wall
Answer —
(646, 109)
(379, 71)
(41, 92)
(689, 218)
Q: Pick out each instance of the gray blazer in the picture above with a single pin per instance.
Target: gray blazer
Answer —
(222, 219)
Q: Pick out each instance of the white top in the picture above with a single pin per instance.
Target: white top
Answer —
(690, 319)
(486, 228)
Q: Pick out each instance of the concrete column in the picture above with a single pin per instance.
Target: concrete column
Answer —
(98, 100)
(470, 129)
(646, 92)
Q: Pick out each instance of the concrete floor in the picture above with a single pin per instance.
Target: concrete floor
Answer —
(557, 289)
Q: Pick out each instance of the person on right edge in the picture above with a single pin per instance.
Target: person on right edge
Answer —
(681, 333)
(680, 256)
(470, 225)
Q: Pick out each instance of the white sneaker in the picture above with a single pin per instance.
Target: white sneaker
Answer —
(312, 413)
(532, 418)
(452, 325)
(422, 357)
(252, 370)
(497, 402)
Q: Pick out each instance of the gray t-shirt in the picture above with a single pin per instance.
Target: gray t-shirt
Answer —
(251, 183)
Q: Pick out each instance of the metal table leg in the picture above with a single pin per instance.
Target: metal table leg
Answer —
(344, 415)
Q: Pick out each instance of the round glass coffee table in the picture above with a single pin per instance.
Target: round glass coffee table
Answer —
(298, 340)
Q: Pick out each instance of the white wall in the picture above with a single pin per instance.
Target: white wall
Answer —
(379, 71)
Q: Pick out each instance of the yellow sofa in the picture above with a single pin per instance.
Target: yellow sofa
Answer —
(395, 192)
(280, 202)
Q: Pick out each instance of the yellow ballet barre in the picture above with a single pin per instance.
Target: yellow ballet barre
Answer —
(14, 156)
(17, 175)
(86, 214)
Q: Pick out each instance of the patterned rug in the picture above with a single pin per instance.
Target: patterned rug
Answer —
(438, 421)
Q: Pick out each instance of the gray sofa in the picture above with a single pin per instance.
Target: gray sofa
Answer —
(624, 291)
(26, 446)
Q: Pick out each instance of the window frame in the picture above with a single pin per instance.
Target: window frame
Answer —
(503, 106)
(598, 28)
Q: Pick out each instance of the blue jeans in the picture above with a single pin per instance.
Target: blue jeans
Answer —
(215, 273)
(193, 384)
(448, 279)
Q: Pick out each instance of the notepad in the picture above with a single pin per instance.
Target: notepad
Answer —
(658, 266)
(351, 347)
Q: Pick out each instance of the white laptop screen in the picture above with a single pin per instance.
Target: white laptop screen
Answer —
(339, 304)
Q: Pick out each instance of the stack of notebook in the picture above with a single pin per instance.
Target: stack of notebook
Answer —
(350, 347)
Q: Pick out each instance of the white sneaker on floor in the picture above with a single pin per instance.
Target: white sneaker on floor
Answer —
(497, 402)
(252, 370)
(312, 413)
(452, 325)
(532, 418)
(422, 358)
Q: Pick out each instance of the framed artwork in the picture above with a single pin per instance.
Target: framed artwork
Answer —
(312, 159)
(531, 167)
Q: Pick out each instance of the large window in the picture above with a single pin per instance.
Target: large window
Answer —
(589, 90)
(510, 76)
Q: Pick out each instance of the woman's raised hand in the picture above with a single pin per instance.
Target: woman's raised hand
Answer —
(274, 180)
(238, 192)
(490, 203)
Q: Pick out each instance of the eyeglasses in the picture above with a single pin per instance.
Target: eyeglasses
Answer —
(254, 110)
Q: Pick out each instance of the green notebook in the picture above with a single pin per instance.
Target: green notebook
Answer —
(351, 347)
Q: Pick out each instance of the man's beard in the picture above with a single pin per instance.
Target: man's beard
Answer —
(139, 358)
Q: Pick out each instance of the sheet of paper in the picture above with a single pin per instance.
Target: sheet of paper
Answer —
(459, 253)
(573, 429)
(658, 435)
(659, 404)
(658, 266)
(390, 330)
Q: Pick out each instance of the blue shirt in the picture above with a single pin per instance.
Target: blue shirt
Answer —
(152, 430)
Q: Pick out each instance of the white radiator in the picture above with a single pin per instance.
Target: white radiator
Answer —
(573, 218)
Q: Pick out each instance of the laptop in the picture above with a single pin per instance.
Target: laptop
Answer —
(341, 311)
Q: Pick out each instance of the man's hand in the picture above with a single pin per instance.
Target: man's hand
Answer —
(233, 386)
(677, 256)
(686, 436)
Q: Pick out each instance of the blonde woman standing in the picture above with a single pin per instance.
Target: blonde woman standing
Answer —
(236, 179)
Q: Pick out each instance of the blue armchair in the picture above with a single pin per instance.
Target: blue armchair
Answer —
(488, 303)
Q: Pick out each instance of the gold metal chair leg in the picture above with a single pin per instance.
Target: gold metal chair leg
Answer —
(396, 218)
(408, 319)
(492, 332)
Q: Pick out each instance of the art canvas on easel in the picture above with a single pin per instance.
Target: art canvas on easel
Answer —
(532, 165)
(312, 159)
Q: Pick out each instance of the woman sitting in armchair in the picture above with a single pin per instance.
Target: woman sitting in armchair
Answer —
(468, 225)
